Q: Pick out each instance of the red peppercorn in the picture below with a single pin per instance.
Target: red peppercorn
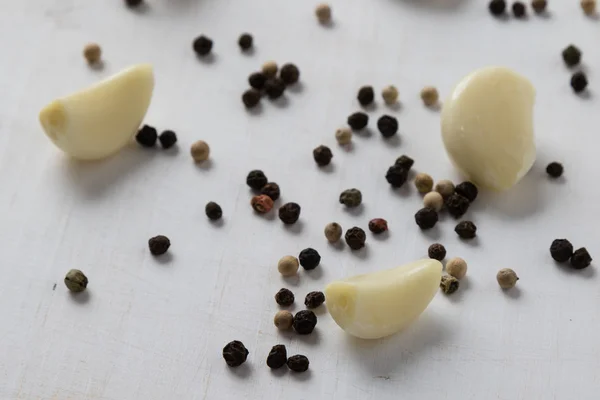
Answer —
(378, 225)
(262, 203)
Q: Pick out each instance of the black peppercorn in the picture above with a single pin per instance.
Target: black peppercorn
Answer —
(466, 229)
(358, 120)
(271, 189)
(396, 175)
(159, 245)
(322, 155)
(133, 3)
(245, 41)
(274, 88)
(256, 179)
(305, 322)
(561, 250)
(581, 259)
(571, 55)
(251, 98)
(289, 213)
(284, 297)
(314, 299)
(309, 258)
(387, 125)
(277, 357)
(457, 205)
(554, 169)
(366, 95)
(213, 211)
(497, 7)
(468, 190)
(235, 353)
(579, 82)
(202, 45)
(298, 363)
(405, 162)
(146, 136)
(167, 139)
(518, 9)
(378, 225)
(257, 80)
(351, 198)
(437, 251)
(426, 218)
(355, 238)
(289, 74)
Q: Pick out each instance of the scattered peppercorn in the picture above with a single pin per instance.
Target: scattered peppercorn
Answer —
(284, 297)
(571, 55)
(235, 353)
(351, 198)
(518, 9)
(449, 284)
(147, 136)
(76, 281)
(309, 259)
(298, 363)
(433, 200)
(167, 139)
(387, 125)
(251, 98)
(366, 95)
(322, 155)
(561, 250)
(378, 225)
(245, 41)
(444, 187)
(468, 190)
(466, 230)
(288, 266)
(270, 69)
(271, 189)
(430, 96)
(200, 151)
(262, 203)
(333, 232)
(289, 74)
(497, 7)
(213, 211)
(277, 357)
(257, 80)
(283, 320)
(159, 245)
(507, 278)
(92, 53)
(390, 94)
(343, 136)
(436, 251)
(358, 120)
(202, 45)
(314, 299)
(256, 179)
(274, 88)
(554, 169)
(457, 205)
(396, 175)
(581, 259)
(289, 213)
(579, 82)
(426, 218)
(133, 3)
(323, 13)
(588, 6)
(405, 162)
(423, 182)
(539, 6)
(456, 267)
(305, 322)
(355, 238)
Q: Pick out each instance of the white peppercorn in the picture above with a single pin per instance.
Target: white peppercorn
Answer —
(423, 182)
(588, 6)
(92, 53)
(283, 320)
(288, 266)
(390, 94)
(444, 187)
(507, 278)
(269, 69)
(433, 200)
(333, 232)
(323, 13)
(430, 96)
(200, 151)
(343, 136)
(456, 267)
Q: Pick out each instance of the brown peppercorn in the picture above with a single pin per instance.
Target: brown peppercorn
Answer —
(539, 6)
(561, 250)
(277, 357)
(284, 297)
(466, 229)
(76, 281)
(314, 299)
(271, 189)
(298, 363)
(251, 98)
(322, 155)
(213, 211)
(437, 251)
(245, 41)
(333, 232)
(430, 96)
(358, 120)
(262, 203)
(235, 353)
(444, 187)
(323, 13)
(366, 95)
(274, 88)
(456, 267)
(202, 46)
(283, 320)
(256, 179)
(289, 74)
(457, 205)
(270, 69)
(396, 176)
(588, 7)
(390, 94)
(355, 238)
(200, 151)
(507, 278)
(423, 183)
(288, 266)
(289, 213)
(351, 198)
(378, 225)
(468, 190)
(449, 284)
(581, 259)
(92, 53)
(159, 245)
(257, 80)
(426, 218)
(405, 162)
(305, 322)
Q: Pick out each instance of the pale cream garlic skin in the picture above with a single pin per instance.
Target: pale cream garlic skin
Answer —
(96, 122)
(487, 127)
(379, 304)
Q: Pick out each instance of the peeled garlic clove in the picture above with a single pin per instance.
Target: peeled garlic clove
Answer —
(98, 121)
(378, 304)
(487, 127)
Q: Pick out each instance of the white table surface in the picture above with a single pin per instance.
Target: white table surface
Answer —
(149, 329)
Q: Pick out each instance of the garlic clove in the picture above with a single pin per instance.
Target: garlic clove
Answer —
(379, 304)
(97, 122)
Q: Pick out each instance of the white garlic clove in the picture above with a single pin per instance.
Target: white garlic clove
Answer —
(379, 304)
(97, 122)
(487, 127)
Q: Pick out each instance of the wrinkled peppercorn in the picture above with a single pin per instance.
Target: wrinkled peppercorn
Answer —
(378, 225)
(271, 189)
(76, 281)
(554, 169)
(581, 259)
(396, 176)
(579, 82)
(539, 6)
(571, 55)
(466, 229)
(167, 139)
(322, 155)
(468, 190)
(366, 95)
(387, 125)
(457, 205)
(202, 45)
(497, 7)
(358, 120)
(561, 250)
(309, 258)
(277, 357)
(262, 203)
(256, 179)
(298, 363)
(518, 9)
(289, 74)
(213, 211)
(405, 162)
(351, 198)
(257, 80)
(245, 41)
(289, 213)
(251, 98)
(437, 251)
(274, 88)
(284, 297)
(147, 136)
(355, 238)
(449, 284)
(426, 218)
(314, 299)
(235, 353)
(305, 322)
(159, 245)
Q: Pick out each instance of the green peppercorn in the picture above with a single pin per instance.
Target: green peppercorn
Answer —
(449, 284)
(351, 198)
(76, 281)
